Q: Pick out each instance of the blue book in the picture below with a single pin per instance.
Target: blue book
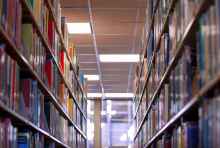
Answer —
(49, 60)
(190, 57)
(23, 138)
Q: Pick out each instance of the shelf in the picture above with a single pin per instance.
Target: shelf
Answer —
(19, 120)
(190, 30)
(146, 80)
(30, 18)
(192, 105)
(27, 70)
(49, 6)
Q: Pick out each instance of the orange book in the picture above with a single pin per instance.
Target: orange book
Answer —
(71, 51)
(62, 93)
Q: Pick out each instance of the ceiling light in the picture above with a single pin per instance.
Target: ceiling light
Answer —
(94, 95)
(110, 95)
(103, 112)
(92, 77)
(119, 95)
(123, 137)
(113, 112)
(79, 28)
(119, 57)
(102, 124)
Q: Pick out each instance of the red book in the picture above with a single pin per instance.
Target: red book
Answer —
(25, 88)
(7, 123)
(62, 60)
(13, 83)
(168, 144)
(49, 72)
(50, 33)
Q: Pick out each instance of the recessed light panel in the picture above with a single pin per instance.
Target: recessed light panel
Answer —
(119, 58)
(79, 28)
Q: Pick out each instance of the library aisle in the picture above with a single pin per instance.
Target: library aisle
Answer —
(109, 73)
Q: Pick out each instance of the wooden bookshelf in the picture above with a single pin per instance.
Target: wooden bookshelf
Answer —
(190, 30)
(19, 120)
(27, 71)
(192, 105)
(30, 19)
(49, 6)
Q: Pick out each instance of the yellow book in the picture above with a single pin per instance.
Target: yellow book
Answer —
(71, 108)
(180, 137)
(60, 126)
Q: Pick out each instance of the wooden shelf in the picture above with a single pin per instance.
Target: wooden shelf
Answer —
(27, 70)
(190, 31)
(32, 20)
(19, 120)
(146, 80)
(192, 105)
(49, 6)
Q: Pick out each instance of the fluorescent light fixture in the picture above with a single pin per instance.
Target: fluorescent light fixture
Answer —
(103, 112)
(94, 95)
(110, 95)
(119, 95)
(79, 28)
(92, 77)
(113, 112)
(120, 58)
(123, 137)
(102, 124)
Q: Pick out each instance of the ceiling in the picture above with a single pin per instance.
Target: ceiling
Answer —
(118, 28)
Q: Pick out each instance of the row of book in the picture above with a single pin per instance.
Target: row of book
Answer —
(167, 49)
(186, 136)
(20, 137)
(196, 63)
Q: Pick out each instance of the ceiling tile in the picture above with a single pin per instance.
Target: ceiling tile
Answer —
(144, 4)
(81, 39)
(115, 65)
(114, 90)
(76, 15)
(115, 72)
(87, 58)
(89, 72)
(93, 83)
(134, 65)
(114, 39)
(140, 28)
(142, 16)
(114, 28)
(88, 66)
(115, 82)
(138, 39)
(73, 3)
(115, 49)
(121, 78)
(114, 3)
(137, 49)
(114, 15)
(116, 87)
(85, 50)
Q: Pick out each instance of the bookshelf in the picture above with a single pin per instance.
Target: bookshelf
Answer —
(188, 38)
(26, 71)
